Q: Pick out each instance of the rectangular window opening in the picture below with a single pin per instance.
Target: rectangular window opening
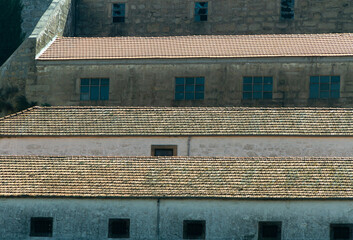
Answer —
(94, 89)
(164, 150)
(341, 231)
(257, 87)
(119, 228)
(201, 11)
(189, 88)
(194, 229)
(287, 9)
(118, 12)
(270, 230)
(324, 87)
(41, 227)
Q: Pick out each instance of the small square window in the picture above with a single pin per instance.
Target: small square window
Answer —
(201, 11)
(270, 230)
(189, 88)
(94, 89)
(257, 87)
(341, 231)
(324, 87)
(41, 227)
(119, 228)
(194, 229)
(287, 9)
(164, 150)
(118, 12)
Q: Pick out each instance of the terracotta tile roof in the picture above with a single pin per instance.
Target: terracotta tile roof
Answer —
(178, 121)
(189, 177)
(227, 46)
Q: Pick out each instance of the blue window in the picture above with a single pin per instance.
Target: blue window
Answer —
(257, 87)
(324, 87)
(189, 88)
(94, 89)
(287, 9)
(201, 11)
(118, 12)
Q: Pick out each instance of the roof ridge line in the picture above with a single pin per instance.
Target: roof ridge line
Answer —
(20, 112)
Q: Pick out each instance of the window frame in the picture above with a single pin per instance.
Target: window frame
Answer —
(33, 227)
(253, 84)
(291, 12)
(118, 220)
(319, 83)
(203, 17)
(173, 147)
(198, 86)
(270, 223)
(123, 16)
(185, 233)
(333, 225)
(90, 86)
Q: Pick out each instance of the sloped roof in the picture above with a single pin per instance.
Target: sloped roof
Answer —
(176, 177)
(178, 121)
(212, 46)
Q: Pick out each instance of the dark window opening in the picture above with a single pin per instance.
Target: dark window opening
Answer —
(41, 227)
(189, 88)
(287, 9)
(341, 231)
(119, 228)
(194, 229)
(270, 230)
(257, 87)
(118, 12)
(163, 150)
(324, 87)
(201, 11)
(94, 89)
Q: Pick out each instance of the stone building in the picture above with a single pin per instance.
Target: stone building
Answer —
(267, 70)
(212, 17)
(282, 40)
(146, 131)
(208, 166)
(51, 197)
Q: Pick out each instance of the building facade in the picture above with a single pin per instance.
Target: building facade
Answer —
(205, 168)
(202, 131)
(259, 70)
(175, 198)
(153, 81)
(212, 17)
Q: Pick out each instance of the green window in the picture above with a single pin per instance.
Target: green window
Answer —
(118, 12)
(201, 11)
(287, 9)
(324, 87)
(189, 88)
(94, 89)
(257, 87)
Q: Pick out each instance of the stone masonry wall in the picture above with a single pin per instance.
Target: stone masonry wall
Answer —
(31, 13)
(151, 84)
(176, 17)
(20, 68)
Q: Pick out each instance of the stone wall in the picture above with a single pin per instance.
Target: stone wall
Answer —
(20, 69)
(31, 13)
(194, 146)
(152, 83)
(176, 17)
(87, 219)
